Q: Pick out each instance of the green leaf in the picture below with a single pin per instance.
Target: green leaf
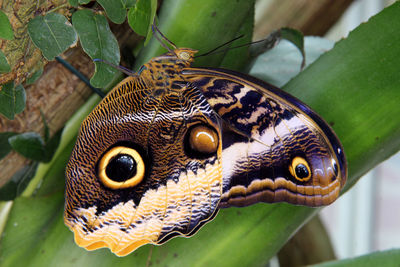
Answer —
(52, 145)
(356, 89)
(33, 78)
(18, 182)
(29, 235)
(52, 34)
(5, 147)
(182, 23)
(385, 258)
(153, 10)
(73, 3)
(260, 230)
(84, 2)
(283, 61)
(98, 42)
(4, 66)
(30, 145)
(115, 10)
(6, 31)
(140, 16)
(12, 100)
(7, 100)
(234, 58)
(20, 99)
(128, 3)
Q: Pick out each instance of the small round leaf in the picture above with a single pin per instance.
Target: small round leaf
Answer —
(30, 145)
(6, 31)
(98, 42)
(52, 34)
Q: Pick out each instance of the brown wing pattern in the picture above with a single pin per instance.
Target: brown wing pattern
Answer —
(170, 145)
(180, 189)
(274, 147)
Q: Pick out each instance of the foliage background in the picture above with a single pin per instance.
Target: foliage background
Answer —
(339, 86)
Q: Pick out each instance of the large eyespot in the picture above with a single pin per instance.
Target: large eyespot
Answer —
(121, 167)
(201, 141)
(299, 169)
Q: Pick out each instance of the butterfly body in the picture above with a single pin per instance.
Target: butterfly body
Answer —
(170, 145)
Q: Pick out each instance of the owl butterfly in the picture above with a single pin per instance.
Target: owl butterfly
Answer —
(171, 144)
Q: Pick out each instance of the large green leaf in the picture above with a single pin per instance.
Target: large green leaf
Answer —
(247, 236)
(356, 88)
(201, 25)
(387, 258)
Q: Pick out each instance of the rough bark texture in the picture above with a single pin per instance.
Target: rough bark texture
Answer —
(309, 16)
(57, 93)
(22, 55)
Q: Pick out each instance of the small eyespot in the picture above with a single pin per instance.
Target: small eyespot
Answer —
(300, 169)
(121, 167)
(202, 140)
(184, 55)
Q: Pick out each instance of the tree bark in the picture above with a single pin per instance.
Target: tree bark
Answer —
(57, 93)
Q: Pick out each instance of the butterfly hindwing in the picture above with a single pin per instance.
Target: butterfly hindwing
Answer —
(274, 148)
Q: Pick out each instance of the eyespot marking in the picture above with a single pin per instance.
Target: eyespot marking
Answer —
(300, 169)
(201, 141)
(121, 167)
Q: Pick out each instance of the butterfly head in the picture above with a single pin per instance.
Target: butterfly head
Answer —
(178, 58)
(185, 54)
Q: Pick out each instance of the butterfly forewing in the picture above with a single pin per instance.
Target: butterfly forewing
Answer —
(180, 188)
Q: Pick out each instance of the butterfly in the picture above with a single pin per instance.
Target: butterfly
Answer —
(172, 144)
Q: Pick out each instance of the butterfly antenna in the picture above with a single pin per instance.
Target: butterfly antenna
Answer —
(163, 38)
(218, 47)
(213, 52)
(120, 68)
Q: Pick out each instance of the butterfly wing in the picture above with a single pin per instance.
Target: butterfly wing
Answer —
(211, 138)
(172, 187)
(274, 148)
